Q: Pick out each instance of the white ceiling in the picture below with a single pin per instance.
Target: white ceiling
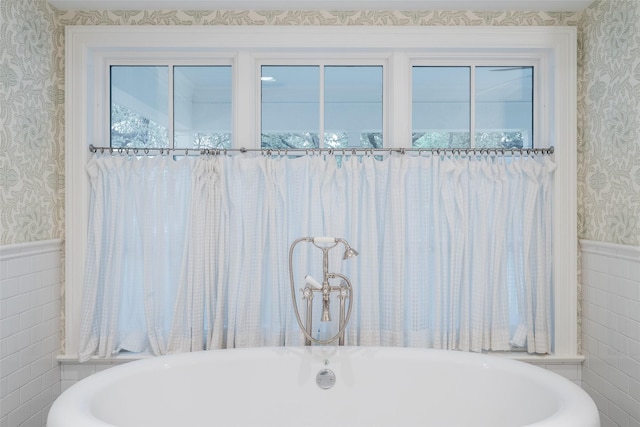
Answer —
(477, 5)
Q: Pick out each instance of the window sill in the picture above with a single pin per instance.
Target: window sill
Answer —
(67, 359)
(545, 359)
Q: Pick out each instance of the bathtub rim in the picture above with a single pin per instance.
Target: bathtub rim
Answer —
(568, 393)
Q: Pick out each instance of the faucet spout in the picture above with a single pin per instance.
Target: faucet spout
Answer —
(326, 315)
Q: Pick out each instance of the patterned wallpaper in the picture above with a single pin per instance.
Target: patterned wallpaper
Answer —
(32, 79)
(238, 17)
(31, 131)
(609, 123)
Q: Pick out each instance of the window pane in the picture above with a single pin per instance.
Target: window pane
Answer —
(353, 106)
(504, 107)
(139, 107)
(202, 107)
(441, 98)
(290, 106)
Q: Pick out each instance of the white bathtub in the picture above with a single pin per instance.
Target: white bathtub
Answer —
(390, 387)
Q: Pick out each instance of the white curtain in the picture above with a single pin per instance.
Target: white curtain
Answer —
(455, 251)
(138, 218)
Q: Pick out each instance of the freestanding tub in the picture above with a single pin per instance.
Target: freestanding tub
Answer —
(363, 387)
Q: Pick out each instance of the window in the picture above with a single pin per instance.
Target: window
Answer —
(341, 103)
(202, 100)
(298, 104)
(472, 106)
(451, 106)
(192, 109)
(539, 58)
(139, 107)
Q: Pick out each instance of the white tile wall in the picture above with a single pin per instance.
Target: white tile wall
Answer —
(570, 370)
(30, 285)
(72, 372)
(611, 330)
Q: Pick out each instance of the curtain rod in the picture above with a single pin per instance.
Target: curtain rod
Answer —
(343, 151)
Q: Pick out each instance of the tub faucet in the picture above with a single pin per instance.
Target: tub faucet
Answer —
(344, 289)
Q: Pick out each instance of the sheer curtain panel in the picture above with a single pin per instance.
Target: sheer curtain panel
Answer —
(192, 254)
(138, 220)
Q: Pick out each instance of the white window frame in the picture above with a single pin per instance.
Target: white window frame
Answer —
(552, 50)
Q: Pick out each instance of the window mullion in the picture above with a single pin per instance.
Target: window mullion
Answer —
(171, 107)
(246, 130)
(321, 109)
(398, 107)
(472, 108)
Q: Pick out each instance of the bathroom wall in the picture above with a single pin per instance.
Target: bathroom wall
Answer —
(72, 372)
(29, 331)
(31, 210)
(609, 202)
(611, 328)
(32, 162)
(609, 123)
(32, 131)
(32, 138)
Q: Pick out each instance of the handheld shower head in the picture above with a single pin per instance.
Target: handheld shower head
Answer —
(349, 252)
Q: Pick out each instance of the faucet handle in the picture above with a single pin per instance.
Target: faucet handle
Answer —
(324, 240)
(312, 282)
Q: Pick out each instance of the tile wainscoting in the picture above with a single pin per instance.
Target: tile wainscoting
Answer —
(611, 330)
(30, 284)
